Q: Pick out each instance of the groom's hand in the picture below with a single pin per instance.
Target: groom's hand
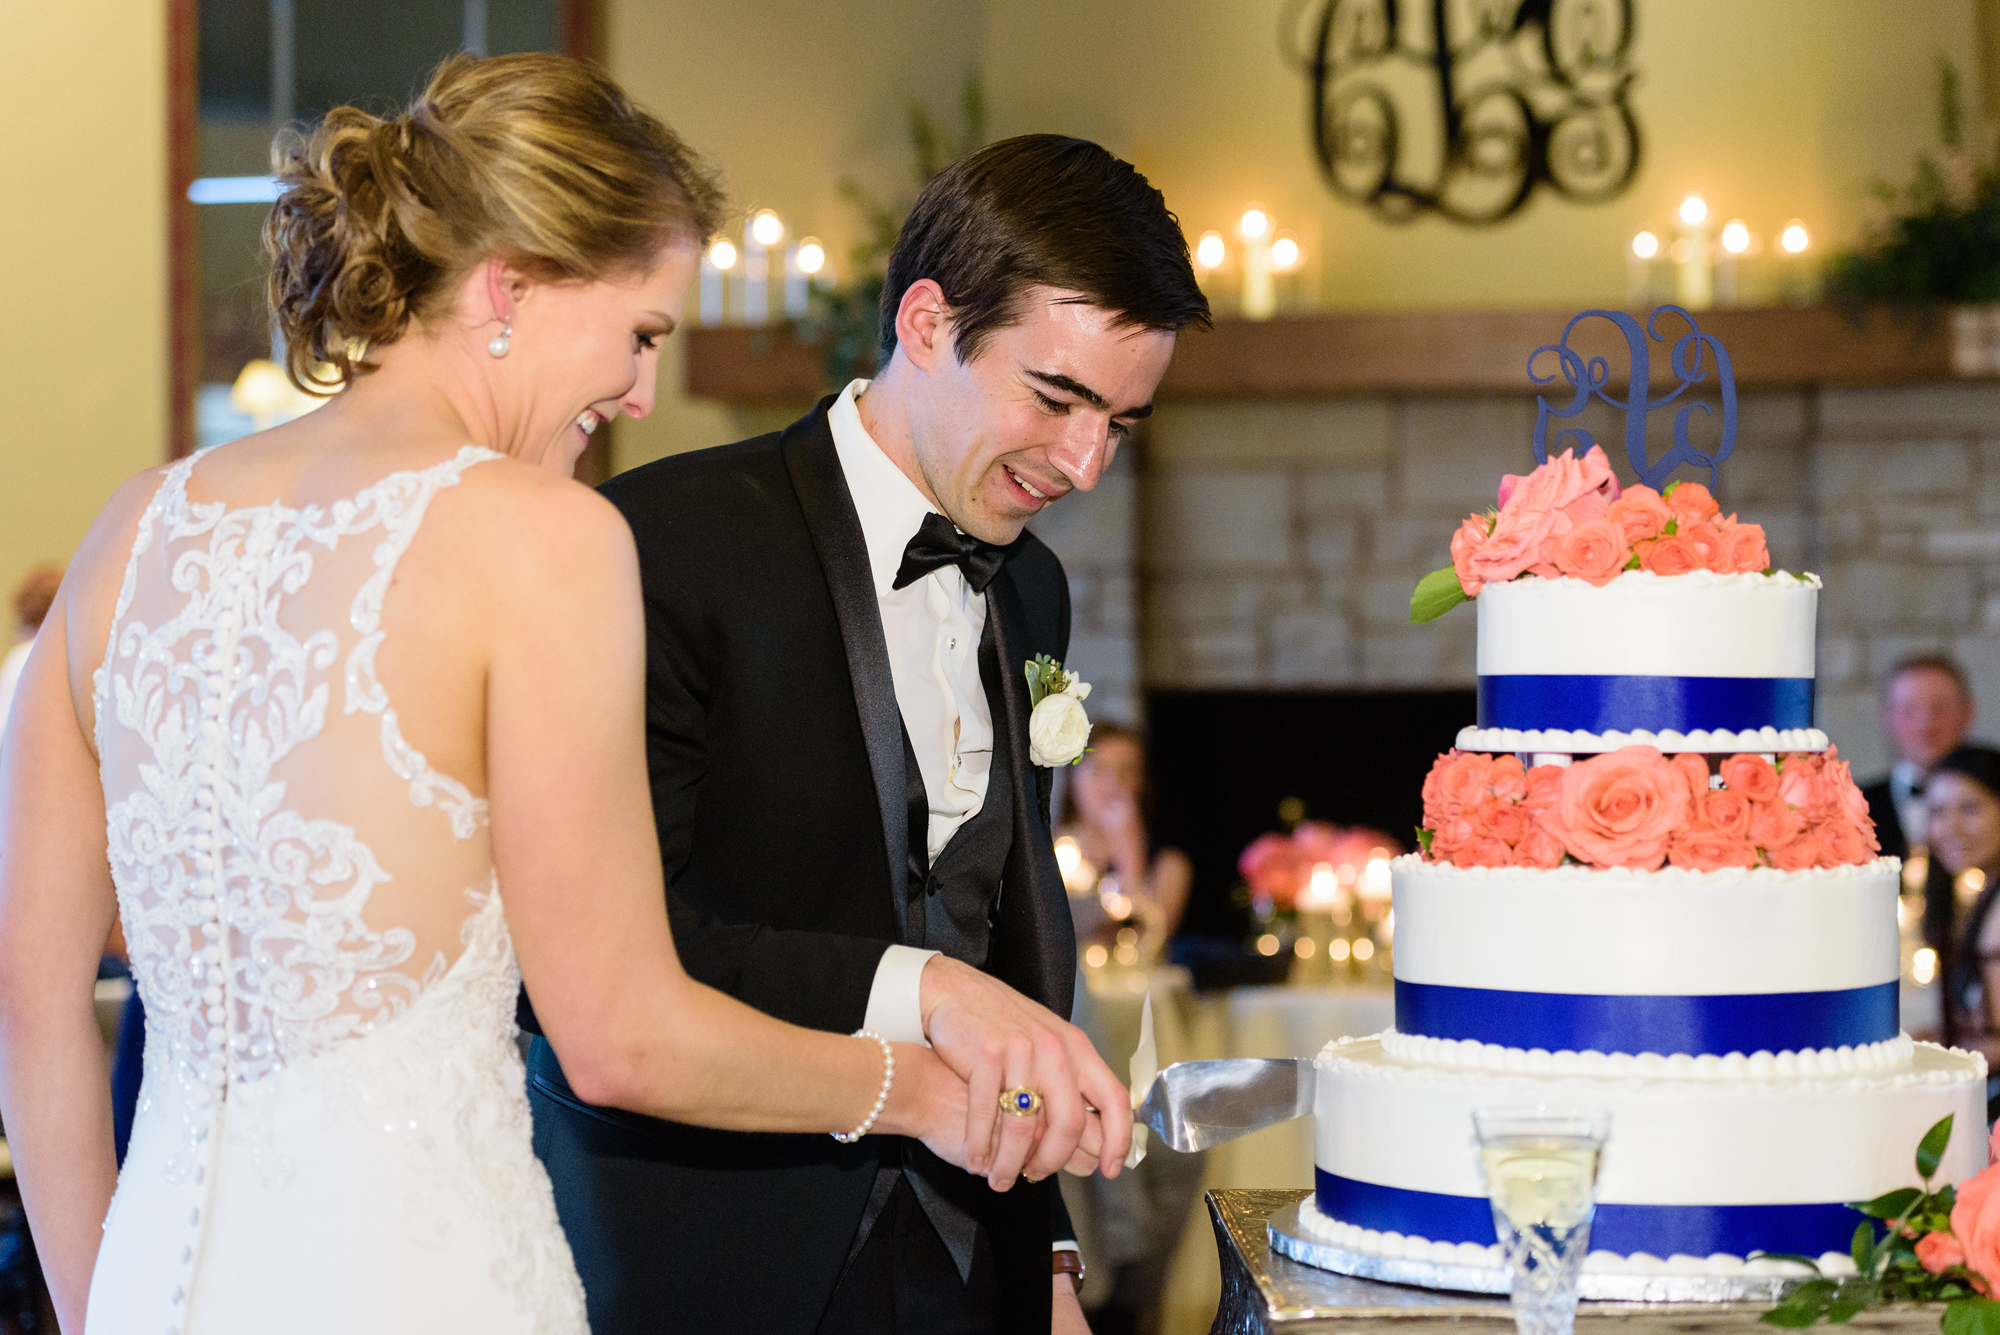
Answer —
(995, 1039)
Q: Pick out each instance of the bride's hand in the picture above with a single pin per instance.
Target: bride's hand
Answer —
(926, 1104)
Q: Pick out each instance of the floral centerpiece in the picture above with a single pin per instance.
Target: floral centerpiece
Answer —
(1318, 861)
(1637, 807)
(1571, 517)
(1938, 1245)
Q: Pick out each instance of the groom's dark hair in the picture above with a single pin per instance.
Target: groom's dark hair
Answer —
(1042, 210)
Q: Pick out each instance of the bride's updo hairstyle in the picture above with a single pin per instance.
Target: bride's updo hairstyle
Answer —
(538, 159)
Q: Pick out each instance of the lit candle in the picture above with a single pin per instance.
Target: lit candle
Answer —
(802, 261)
(763, 231)
(1795, 241)
(1639, 270)
(721, 258)
(1260, 294)
(1694, 256)
(1735, 242)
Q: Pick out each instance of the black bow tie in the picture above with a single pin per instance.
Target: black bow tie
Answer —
(939, 544)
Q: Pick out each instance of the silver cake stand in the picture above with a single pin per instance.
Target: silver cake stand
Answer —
(1288, 1238)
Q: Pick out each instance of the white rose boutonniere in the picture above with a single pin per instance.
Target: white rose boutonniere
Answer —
(1058, 729)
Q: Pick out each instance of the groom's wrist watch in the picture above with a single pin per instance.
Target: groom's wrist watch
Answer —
(1068, 1263)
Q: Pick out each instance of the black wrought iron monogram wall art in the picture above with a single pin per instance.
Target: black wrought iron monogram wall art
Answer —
(1462, 107)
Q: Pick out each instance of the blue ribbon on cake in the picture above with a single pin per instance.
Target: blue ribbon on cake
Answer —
(1655, 704)
(1581, 1022)
(1657, 1230)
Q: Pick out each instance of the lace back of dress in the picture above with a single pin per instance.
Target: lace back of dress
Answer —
(291, 873)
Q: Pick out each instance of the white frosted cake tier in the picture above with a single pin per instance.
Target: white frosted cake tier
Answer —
(1576, 959)
(1700, 653)
(1693, 1168)
(1557, 741)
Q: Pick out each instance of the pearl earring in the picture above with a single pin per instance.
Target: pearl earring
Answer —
(502, 341)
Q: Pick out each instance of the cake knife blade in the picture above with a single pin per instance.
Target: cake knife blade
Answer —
(1193, 1105)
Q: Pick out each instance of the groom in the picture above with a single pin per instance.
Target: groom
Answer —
(838, 621)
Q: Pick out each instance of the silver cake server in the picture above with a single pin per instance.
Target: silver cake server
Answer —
(1193, 1105)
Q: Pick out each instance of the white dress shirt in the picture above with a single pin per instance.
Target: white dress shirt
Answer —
(932, 627)
(1912, 809)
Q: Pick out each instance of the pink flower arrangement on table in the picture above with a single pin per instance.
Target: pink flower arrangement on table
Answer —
(1571, 518)
(1636, 807)
(1280, 867)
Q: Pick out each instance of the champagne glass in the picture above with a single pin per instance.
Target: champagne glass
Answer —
(1541, 1174)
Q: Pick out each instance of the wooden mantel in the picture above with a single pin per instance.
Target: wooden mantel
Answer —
(1406, 351)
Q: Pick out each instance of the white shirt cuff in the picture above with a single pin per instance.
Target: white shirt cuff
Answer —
(1069, 1246)
(896, 999)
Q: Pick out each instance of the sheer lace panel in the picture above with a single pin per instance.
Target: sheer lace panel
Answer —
(290, 870)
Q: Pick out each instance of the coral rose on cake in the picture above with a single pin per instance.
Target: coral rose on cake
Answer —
(1706, 540)
(1671, 555)
(1459, 781)
(1691, 502)
(1753, 776)
(1692, 767)
(1545, 784)
(1466, 544)
(1620, 809)
(1593, 551)
(1502, 820)
(1807, 788)
(1773, 824)
(1744, 550)
(1710, 849)
(1844, 843)
(1799, 854)
(1639, 514)
(1724, 811)
(1537, 848)
(1508, 778)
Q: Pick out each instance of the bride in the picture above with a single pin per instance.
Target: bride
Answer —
(342, 719)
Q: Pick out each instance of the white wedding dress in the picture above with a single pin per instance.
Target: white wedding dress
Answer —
(333, 1133)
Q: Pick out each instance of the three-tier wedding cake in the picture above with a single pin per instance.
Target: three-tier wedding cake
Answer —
(1648, 885)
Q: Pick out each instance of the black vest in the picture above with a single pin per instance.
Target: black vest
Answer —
(952, 902)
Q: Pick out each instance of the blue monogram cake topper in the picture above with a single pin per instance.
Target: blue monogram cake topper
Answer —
(1589, 378)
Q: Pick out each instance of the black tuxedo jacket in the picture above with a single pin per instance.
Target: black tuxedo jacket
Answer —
(1888, 822)
(776, 753)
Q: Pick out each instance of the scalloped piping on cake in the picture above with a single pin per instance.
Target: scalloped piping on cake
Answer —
(1335, 1057)
(1612, 877)
(1560, 741)
(1471, 1054)
(1698, 579)
(1408, 1247)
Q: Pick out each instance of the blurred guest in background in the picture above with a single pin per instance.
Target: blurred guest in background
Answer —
(1927, 711)
(33, 598)
(1962, 794)
(1106, 818)
(1126, 898)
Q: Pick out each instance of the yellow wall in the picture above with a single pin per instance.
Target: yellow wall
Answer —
(1772, 108)
(83, 327)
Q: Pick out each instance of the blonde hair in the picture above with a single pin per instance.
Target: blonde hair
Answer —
(539, 159)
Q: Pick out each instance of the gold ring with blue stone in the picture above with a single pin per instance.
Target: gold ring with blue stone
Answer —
(1020, 1101)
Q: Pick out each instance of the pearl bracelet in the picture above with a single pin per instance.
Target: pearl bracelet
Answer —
(881, 1099)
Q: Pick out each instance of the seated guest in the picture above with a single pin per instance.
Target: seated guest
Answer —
(1104, 812)
(1963, 799)
(33, 598)
(1927, 710)
(1127, 1227)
